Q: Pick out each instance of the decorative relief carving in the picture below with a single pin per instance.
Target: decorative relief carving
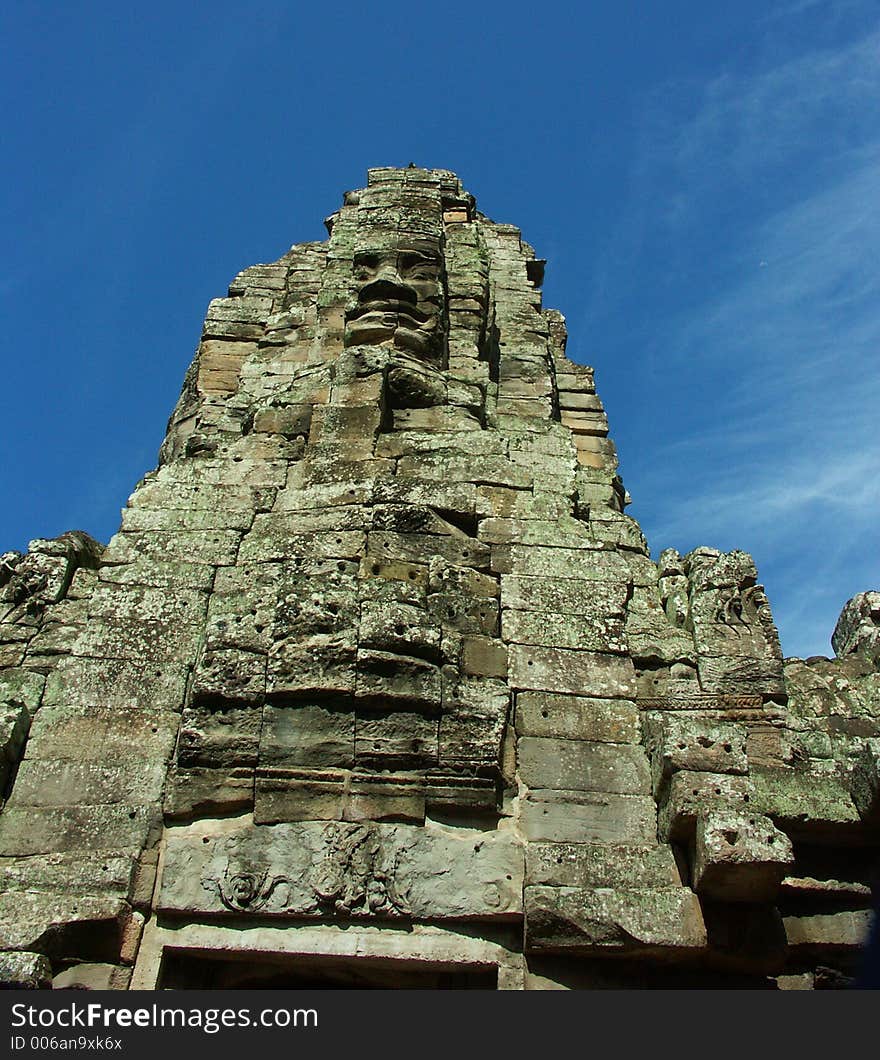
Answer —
(352, 874)
(700, 701)
(355, 873)
(400, 299)
(244, 892)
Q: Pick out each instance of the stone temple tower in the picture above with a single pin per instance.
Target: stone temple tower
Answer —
(378, 685)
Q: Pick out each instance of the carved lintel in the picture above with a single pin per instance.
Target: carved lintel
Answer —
(701, 701)
(353, 874)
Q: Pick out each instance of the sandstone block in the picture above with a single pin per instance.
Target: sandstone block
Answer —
(219, 735)
(689, 793)
(307, 736)
(806, 804)
(577, 672)
(828, 933)
(400, 740)
(93, 734)
(21, 688)
(663, 922)
(225, 676)
(51, 782)
(577, 717)
(589, 866)
(217, 548)
(694, 744)
(71, 872)
(483, 657)
(27, 830)
(385, 798)
(299, 795)
(120, 684)
(271, 538)
(398, 628)
(421, 548)
(55, 924)
(545, 628)
(473, 721)
(93, 977)
(386, 678)
(323, 663)
(585, 817)
(583, 596)
(739, 857)
(582, 766)
(25, 971)
(206, 792)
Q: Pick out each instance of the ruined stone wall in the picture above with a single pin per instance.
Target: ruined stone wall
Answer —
(378, 679)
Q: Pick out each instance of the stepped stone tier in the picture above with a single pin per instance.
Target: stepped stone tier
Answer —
(379, 685)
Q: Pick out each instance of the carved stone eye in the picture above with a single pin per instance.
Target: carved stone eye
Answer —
(366, 264)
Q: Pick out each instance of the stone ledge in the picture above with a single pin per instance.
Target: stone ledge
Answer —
(623, 921)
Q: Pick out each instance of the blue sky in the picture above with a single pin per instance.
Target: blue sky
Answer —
(702, 178)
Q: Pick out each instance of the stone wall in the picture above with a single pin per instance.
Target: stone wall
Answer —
(378, 672)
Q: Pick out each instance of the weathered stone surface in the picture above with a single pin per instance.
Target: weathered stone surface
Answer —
(585, 865)
(121, 683)
(581, 817)
(689, 793)
(575, 672)
(60, 782)
(304, 735)
(85, 733)
(858, 628)
(93, 977)
(804, 803)
(203, 791)
(21, 688)
(734, 634)
(739, 857)
(342, 870)
(583, 766)
(51, 923)
(219, 735)
(378, 633)
(25, 971)
(696, 744)
(299, 795)
(828, 932)
(147, 624)
(601, 634)
(577, 717)
(665, 922)
(76, 872)
(30, 583)
(583, 596)
(28, 830)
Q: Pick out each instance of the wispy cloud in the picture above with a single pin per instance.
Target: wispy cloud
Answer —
(769, 440)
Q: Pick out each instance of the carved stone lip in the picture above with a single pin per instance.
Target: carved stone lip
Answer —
(395, 307)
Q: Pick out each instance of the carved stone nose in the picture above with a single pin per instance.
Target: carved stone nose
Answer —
(388, 288)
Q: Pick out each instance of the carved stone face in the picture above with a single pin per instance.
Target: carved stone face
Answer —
(399, 301)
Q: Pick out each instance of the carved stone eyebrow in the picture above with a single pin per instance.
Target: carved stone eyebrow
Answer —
(418, 257)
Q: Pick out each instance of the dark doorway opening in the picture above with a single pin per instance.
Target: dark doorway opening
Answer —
(200, 970)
